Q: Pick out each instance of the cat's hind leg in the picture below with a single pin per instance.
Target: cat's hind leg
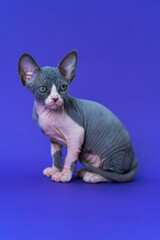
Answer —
(88, 176)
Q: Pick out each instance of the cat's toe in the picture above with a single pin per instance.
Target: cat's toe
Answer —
(56, 177)
(94, 178)
(66, 178)
(61, 177)
(48, 172)
(87, 177)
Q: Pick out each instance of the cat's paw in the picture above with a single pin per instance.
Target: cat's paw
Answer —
(81, 172)
(90, 177)
(62, 177)
(48, 172)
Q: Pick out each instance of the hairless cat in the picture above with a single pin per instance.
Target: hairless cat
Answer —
(91, 132)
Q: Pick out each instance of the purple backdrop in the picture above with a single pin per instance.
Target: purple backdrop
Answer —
(118, 44)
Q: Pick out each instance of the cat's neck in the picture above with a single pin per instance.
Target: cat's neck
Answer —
(40, 108)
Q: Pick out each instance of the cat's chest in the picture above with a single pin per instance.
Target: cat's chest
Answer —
(53, 124)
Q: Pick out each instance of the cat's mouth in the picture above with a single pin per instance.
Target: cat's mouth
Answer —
(54, 105)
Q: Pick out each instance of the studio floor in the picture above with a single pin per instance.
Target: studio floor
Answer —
(34, 207)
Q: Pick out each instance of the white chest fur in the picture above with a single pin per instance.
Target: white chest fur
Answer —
(57, 125)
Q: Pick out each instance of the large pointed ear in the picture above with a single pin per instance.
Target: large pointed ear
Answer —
(68, 66)
(27, 67)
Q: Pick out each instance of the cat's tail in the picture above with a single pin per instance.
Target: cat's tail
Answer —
(114, 177)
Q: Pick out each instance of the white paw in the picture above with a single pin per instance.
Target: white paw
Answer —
(61, 177)
(94, 178)
(48, 172)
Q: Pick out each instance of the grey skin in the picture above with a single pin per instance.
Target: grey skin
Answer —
(105, 135)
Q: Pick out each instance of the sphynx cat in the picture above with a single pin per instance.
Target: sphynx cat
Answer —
(91, 132)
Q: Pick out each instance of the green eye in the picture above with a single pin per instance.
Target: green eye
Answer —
(63, 88)
(42, 89)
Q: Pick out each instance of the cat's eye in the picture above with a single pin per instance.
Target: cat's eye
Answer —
(63, 88)
(42, 89)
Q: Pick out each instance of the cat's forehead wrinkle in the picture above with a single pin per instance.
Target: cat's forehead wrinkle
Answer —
(49, 74)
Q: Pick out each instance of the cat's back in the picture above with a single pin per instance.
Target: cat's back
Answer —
(97, 114)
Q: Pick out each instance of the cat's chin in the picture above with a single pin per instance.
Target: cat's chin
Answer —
(53, 106)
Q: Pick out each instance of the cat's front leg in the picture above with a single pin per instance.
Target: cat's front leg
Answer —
(57, 160)
(74, 145)
(66, 174)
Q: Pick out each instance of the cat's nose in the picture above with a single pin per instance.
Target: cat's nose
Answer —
(55, 99)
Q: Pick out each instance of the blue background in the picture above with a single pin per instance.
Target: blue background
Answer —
(118, 44)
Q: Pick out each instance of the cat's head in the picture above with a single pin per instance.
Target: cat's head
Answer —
(48, 85)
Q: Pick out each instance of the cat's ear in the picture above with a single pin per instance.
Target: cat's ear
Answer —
(27, 67)
(68, 66)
